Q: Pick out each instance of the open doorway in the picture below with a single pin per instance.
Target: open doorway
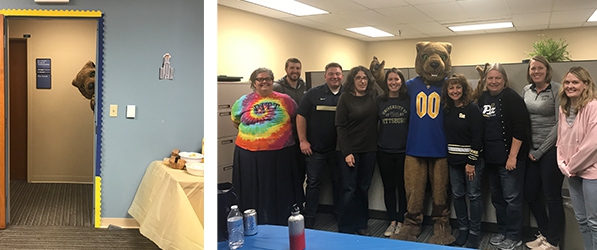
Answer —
(51, 129)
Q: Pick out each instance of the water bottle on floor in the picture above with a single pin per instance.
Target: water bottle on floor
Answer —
(296, 229)
(236, 230)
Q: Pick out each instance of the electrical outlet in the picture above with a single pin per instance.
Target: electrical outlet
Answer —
(113, 110)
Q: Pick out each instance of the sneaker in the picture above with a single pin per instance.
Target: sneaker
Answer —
(398, 227)
(364, 232)
(537, 242)
(472, 241)
(495, 240)
(390, 230)
(546, 246)
(508, 244)
(461, 239)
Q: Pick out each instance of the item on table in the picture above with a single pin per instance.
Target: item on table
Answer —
(236, 235)
(175, 161)
(250, 222)
(296, 229)
(191, 157)
(195, 169)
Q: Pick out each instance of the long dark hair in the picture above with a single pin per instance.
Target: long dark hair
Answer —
(401, 91)
(349, 83)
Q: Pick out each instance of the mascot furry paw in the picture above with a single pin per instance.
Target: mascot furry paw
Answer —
(377, 70)
(426, 146)
(85, 82)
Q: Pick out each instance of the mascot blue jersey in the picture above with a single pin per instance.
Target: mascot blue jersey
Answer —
(426, 137)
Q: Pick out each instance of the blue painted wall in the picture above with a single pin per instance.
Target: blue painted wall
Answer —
(169, 113)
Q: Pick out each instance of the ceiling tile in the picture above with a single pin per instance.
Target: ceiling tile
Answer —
(531, 19)
(559, 5)
(333, 5)
(571, 16)
(429, 27)
(485, 9)
(438, 11)
(528, 6)
(367, 17)
(376, 4)
(405, 14)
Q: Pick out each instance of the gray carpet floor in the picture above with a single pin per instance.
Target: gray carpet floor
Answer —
(327, 222)
(58, 216)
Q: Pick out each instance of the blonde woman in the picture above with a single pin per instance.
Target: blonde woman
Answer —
(577, 148)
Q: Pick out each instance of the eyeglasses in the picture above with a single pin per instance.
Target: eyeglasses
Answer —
(359, 78)
(264, 79)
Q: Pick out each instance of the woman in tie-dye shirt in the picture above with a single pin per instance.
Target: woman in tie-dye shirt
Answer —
(265, 171)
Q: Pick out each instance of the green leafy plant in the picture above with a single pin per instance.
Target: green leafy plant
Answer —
(552, 50)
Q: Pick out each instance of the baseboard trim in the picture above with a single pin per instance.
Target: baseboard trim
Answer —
(128, 223)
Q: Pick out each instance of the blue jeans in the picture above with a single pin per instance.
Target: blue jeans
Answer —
(544, 177)
(507, 196)
(316, 163)
(584, 201)
(461, 186)
(354, 197)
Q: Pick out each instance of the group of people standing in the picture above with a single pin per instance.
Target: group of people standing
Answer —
(526, 143)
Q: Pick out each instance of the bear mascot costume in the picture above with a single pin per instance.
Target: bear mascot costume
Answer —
(85, 82)
(426, 146)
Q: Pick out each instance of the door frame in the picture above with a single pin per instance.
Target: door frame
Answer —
(4, 167)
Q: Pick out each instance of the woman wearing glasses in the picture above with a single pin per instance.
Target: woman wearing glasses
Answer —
(356, 124)
(265, 172)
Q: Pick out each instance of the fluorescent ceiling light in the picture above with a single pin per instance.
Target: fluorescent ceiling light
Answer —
(485, 26)
(593, 17)
(370, 31)
(290, 7)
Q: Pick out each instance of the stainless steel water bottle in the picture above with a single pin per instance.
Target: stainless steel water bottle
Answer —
(296, 229)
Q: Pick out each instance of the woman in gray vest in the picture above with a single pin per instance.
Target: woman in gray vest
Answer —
(542, 173)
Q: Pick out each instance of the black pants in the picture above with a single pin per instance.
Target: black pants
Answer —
(544, 177)
(354, 192)
(391, 170)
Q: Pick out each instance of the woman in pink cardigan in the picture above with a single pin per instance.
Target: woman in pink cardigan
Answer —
(577, 148)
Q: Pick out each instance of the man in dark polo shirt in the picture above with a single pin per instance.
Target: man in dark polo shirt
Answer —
(315, 122)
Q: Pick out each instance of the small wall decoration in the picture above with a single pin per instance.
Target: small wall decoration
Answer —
(166, 72)
(43, 70)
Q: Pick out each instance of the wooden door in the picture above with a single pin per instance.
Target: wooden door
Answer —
(17, 66)
(2, 132)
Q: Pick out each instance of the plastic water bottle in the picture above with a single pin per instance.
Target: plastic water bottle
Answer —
(236, 230)
(296, 229)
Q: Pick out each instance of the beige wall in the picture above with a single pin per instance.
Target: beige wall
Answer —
(60, 129)
(497, 47)
(247, 41)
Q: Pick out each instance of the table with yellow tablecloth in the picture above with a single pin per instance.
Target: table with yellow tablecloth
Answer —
(168, 206)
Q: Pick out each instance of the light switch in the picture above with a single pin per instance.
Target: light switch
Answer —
(130, 111)
(113, 110)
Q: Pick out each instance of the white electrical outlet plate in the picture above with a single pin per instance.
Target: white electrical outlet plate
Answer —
(130, 111)
(113, 110)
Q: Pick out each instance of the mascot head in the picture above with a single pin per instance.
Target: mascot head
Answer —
(85, 82)
(433, 61)
(377, 70)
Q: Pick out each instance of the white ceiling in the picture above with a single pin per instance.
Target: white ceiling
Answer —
(416, 19)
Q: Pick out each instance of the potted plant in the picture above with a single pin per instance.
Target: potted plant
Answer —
(552, 50)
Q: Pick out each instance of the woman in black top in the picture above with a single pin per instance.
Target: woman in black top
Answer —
(356, 124)
(463, 125)
(506, 146)
(393, 114)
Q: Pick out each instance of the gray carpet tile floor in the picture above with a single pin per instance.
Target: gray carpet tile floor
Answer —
(58, 216)
(327, 222)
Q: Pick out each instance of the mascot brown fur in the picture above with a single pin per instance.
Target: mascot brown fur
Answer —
(426, 149)
(85, 82)
(378, 72)
(481, 84)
